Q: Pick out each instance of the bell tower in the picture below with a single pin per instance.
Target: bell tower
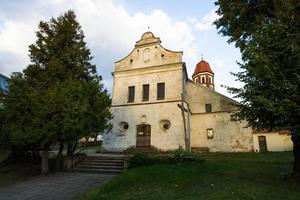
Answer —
(204, 75)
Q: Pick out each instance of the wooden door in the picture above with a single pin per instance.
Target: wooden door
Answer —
(262, 144)
(143, 136)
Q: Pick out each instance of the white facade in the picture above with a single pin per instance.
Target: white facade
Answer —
(148, 63)
(181, 118)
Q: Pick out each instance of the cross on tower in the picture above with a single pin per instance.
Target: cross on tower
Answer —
(148, 28)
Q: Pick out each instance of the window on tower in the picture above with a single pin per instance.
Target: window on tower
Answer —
(202, 79)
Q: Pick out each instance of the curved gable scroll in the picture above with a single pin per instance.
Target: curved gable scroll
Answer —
(148, 52)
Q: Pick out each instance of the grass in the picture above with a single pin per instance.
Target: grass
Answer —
(18, 171)
(223, 176)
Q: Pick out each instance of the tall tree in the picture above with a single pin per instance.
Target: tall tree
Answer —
(268, 35)
(60, 97)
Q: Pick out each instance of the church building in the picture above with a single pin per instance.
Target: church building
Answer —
(156, 106)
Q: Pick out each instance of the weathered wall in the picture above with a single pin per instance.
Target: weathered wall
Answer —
(148, 63)
(170, 74)
(198, 96)
(148, 52)
(275, 141)
(229, 136)
(152, 114)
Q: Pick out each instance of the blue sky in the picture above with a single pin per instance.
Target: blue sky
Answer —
(111, 28)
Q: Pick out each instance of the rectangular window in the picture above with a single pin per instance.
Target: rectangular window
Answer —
(210, 133)
(208, 107)
(146, 92)
(131, 94)
(160, 91)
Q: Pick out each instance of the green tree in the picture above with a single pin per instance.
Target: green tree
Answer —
(60, 97)
(268, 35)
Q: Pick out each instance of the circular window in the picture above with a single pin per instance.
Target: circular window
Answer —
(165, 124)
(123, 126)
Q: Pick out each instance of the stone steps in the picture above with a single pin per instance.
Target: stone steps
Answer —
(101, 164)
(98, 171)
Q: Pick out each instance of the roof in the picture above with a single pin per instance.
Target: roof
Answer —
(2, 75)
(201, 67)
(213, 91)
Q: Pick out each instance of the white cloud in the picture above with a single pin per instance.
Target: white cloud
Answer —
(110, 30)
(15, 36)
(206, 21)
(108, 27)
(217, 63)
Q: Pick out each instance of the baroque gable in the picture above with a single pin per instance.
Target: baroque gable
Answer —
(148, 52)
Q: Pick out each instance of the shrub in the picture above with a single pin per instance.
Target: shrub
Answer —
(175, 157)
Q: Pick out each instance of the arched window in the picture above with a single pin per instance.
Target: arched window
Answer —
(203, 79)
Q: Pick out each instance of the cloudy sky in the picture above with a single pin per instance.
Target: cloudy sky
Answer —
(112, 27)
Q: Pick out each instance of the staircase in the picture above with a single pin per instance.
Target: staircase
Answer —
(101, 165)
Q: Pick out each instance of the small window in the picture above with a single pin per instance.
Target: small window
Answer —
(131, 90)
(210, 133)
(165, 124)
(160, 91)
(208, 108)
(203, 79)
(123, 126)
(146, 92)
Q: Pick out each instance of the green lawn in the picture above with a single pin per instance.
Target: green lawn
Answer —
(223, 176)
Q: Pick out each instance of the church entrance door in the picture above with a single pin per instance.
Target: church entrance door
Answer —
(143, 136)
(262, 144)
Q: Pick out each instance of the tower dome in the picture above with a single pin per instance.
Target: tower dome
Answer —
(201, 67)
(204, 75)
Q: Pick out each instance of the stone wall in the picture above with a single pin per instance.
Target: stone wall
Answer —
(118, 140)
(275, 141)
(228, 135)
(148, 63)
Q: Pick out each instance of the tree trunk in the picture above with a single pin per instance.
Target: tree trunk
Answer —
(58, 163)
(296, 168)
(45, 166)
(69, 147)
(74, 147)
(296, 152)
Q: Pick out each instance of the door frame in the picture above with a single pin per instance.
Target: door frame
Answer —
(144, 139)
(262, 141)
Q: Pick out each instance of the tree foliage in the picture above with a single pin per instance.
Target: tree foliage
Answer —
(268, 35)
(60, 97)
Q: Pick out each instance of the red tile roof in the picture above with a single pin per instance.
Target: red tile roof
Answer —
(202, 66)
